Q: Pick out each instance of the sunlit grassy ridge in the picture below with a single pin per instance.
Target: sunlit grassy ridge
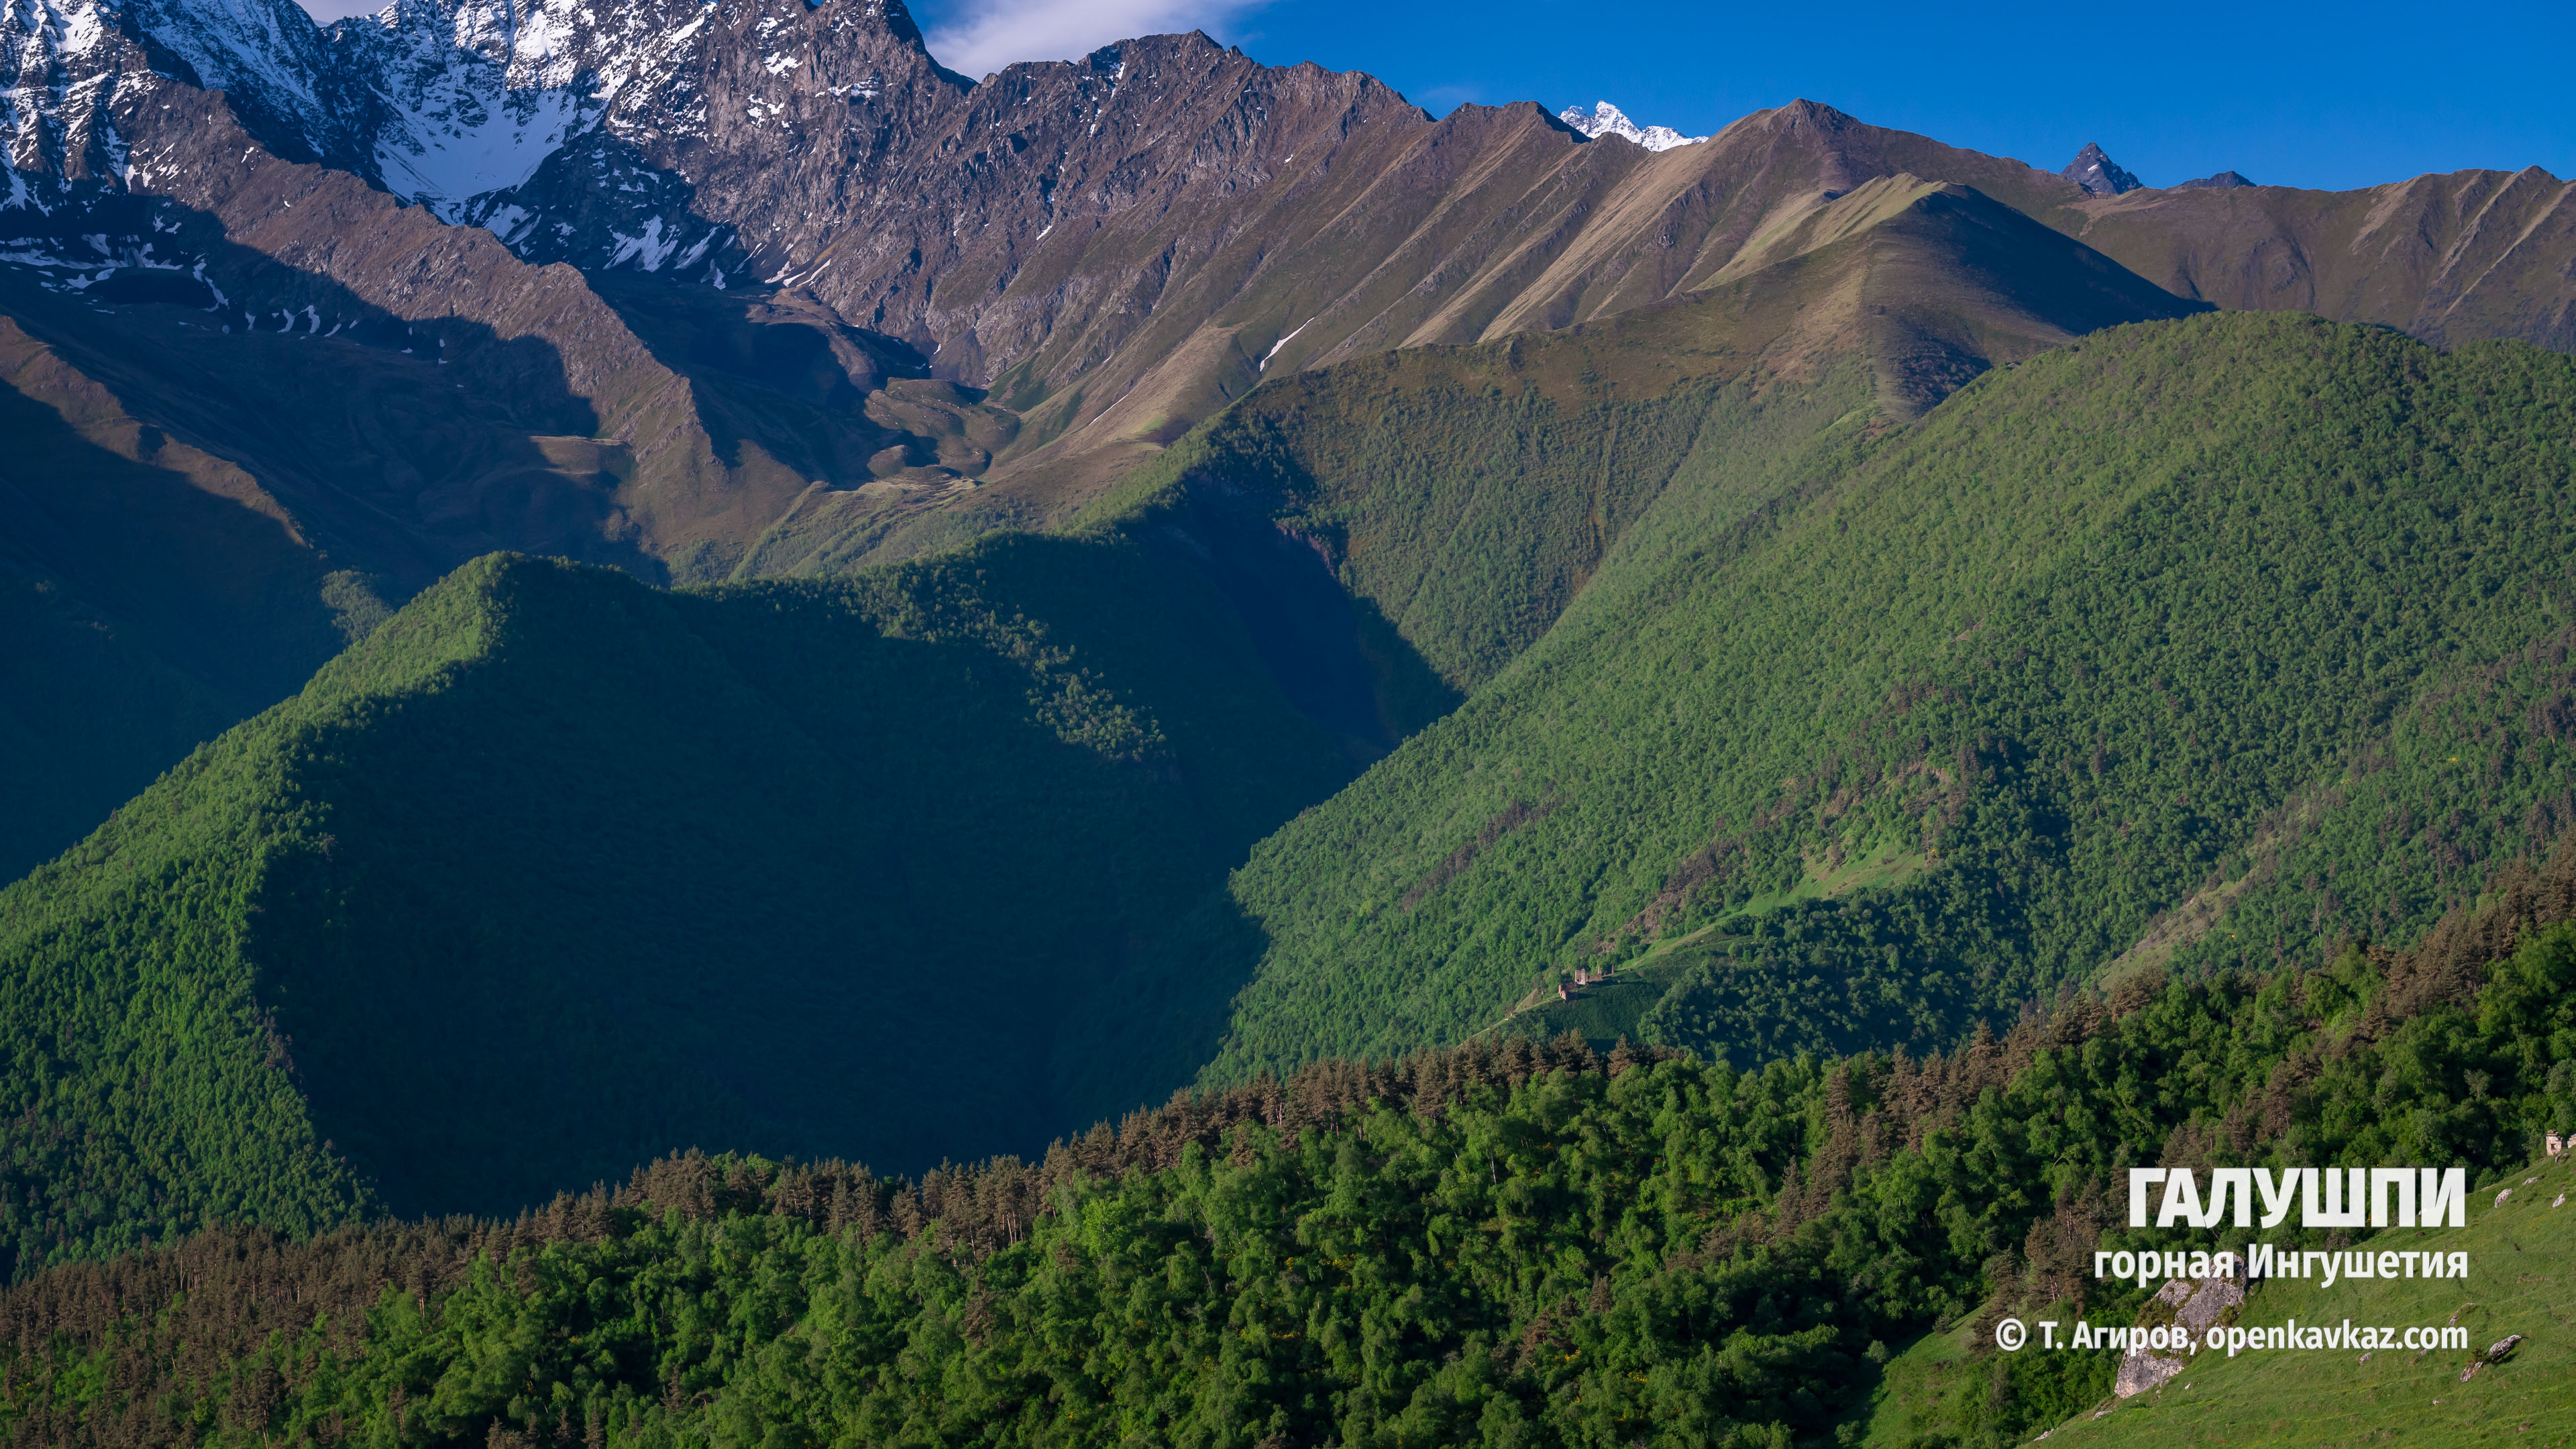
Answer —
(2249, 602)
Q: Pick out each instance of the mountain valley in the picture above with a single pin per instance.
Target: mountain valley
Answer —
(1672, 748)
(713, 395)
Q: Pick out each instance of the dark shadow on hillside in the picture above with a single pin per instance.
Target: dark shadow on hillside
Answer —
(87, 718)
(1306, 627)
(297, 462)
(1340, 663)
(736, 872)
(217, 591)
(401, 448)
(145, 614)
(1960, 282)
(1167, 1016)
(773, 370)
(1411, 695)
(785, 343)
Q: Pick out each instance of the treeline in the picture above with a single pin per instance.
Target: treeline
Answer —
(1509, 1244)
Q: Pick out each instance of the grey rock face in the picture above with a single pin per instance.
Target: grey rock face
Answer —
(64, 68)
(2205, 1302)
(2223, 181)
(2096, 172)
(599, 204)
(2186, 1303)
(2140, 1372)
(824, 149)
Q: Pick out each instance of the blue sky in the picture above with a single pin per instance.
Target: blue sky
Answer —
(2292, 94)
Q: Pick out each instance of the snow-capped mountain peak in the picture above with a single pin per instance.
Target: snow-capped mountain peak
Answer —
(63, 63)
(477, 94)
(1606, 119)
(266, 54)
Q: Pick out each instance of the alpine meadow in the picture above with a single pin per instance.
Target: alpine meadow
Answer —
(711, 737)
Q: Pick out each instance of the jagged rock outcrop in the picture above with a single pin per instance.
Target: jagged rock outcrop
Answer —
(2191, 1306)
(63, 66)
(2096, 172)
(2222, 181)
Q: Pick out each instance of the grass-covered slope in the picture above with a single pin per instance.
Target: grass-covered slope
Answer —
(2240, 632)
(1466, 495)
(202, 517)
(1507, 1246)
(556, 872)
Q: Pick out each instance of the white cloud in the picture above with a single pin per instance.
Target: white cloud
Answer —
(986, 35)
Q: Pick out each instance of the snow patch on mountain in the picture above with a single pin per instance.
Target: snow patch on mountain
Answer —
(478, 93)
(1608, 120)
(455, 125)
(267, 53)
(480, 146)
(1282, 342)
(21, 195)
(65, 63)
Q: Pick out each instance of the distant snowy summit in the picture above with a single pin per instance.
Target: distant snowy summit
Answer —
(1608, 120)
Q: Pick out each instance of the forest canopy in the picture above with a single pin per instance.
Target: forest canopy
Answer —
(1514, 1244)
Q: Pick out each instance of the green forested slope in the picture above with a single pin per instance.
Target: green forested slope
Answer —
(1466, 505)
(1509, 1246)
(930, 859)
(557, 872)
(2258, 609)
(738, 869)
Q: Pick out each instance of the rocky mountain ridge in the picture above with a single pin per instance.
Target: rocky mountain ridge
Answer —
(1119, 245)
(709, 290)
